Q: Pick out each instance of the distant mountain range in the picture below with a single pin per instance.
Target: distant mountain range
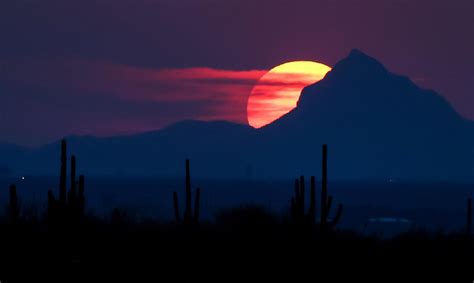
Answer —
(378, 126)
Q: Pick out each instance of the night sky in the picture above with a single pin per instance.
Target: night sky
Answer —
(107, 67)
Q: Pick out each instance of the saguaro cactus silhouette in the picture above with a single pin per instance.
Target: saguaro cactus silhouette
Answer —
(70, 204)
(297, 209)
(188, 216)
(326, 201)
(13, 209)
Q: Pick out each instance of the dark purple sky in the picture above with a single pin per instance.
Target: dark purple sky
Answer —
(107, 67)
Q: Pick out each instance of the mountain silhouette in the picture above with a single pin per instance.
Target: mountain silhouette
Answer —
(378, 126)
(218, 147)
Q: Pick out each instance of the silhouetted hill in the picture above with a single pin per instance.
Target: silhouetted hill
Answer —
(378, 125)
(216, 147)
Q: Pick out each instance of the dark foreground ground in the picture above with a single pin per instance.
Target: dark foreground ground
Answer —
(148, 230)
(242, 245)
(254, 242)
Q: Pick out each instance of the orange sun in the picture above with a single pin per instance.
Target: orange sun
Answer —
(277, 92)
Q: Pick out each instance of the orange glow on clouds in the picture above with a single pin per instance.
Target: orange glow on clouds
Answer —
(277, 92)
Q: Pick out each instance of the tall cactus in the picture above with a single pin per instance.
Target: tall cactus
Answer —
(326, 201)
(13, 209)
(188, 216)
(70, 203)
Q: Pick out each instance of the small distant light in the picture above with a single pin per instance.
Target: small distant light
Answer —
(23, 177)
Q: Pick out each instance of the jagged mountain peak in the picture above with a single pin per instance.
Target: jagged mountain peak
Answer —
(356, 67)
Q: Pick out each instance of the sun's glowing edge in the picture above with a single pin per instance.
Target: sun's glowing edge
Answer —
(277, 91)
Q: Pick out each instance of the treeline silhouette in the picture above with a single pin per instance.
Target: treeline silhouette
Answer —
(246, 243)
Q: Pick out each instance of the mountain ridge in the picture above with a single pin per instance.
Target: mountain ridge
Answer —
(379, 125)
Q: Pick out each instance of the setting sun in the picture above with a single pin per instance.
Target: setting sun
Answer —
(277, 92)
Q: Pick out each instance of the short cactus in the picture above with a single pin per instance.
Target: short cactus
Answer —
(298, 213)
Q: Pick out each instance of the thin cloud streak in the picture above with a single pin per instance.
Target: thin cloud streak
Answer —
(107, 97)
